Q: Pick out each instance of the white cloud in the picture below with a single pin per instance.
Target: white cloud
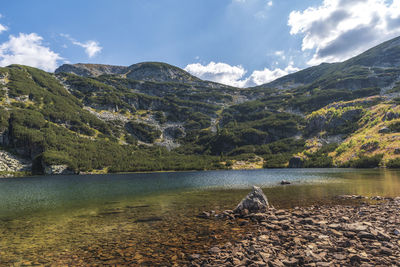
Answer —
(2, 28)
(234, 75)
(217, 72)
(270, 3)
(259, 77)
(92, 48)
(28, 49)
(339, 29)
(280, 54)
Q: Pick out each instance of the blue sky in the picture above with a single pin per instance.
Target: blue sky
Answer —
(238, 42)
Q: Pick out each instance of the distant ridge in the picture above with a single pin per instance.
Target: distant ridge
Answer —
(145, 71)
(385, 55)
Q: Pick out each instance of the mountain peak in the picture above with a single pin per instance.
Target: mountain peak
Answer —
(145, 71)
(159, 72)
(91, 70)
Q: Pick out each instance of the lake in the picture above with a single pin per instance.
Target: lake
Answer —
(150, 218)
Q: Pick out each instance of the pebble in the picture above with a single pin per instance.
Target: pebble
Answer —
(365, 235)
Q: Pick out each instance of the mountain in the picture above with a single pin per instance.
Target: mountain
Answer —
(371, 63)
(154, 116)
(91, 70)
(146, 71)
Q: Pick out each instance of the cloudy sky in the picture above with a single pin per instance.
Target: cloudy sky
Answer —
(237, 42)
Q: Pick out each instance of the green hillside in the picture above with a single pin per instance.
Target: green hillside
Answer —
(154, 116)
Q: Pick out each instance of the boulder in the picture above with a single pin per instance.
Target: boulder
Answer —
(384, 130)
(254, 202)
(296, 162)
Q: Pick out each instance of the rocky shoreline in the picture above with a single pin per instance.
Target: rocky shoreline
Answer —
(364, 234)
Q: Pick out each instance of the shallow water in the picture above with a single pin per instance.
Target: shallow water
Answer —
(151, 218)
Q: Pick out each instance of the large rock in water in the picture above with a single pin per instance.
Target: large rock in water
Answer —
(254, 202)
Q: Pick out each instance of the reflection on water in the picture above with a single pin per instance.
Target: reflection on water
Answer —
(150, 218)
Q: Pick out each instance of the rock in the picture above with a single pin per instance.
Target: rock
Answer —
(275, 263)
(290, 262)
(258, 264)
(355, 259)
(283, 182)
(384, 130)
(11, 163)
(385, 251)
(236, 262)
(204, 215)
(356, 227)
(215, 250)
(340, 256)
(334, 226)
(194, 256)
(365, 235)
(57, 169)
(280, 212)
(383, 236)
(263, 238)
(323, 264)
(258, 217)
(396, 231)
(271, 226)
(307, 221)
(254, 202)
(296, 162)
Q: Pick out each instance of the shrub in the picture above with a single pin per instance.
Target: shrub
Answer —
(367, 162)
(393, 163)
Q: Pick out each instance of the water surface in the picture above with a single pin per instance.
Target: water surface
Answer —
(150, 218)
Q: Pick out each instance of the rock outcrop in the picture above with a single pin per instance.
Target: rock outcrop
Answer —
(254, 202)
(57, 169)
(11, 163)
(91, 70)
(384, 130)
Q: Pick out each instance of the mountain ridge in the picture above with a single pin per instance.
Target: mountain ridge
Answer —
(155, 116)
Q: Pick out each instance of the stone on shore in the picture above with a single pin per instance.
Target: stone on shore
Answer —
(363, 234)
(254, 202)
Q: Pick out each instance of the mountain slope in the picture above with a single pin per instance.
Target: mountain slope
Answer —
(154, 116)
(377, 67)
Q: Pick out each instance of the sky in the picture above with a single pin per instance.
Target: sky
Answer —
(237, 42)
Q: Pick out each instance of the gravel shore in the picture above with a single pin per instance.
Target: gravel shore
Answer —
(364, 234)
